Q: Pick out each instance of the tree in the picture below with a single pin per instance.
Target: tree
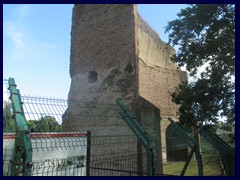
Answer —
(8, 121)
(32, 125)
(205, 34)
(45, 124)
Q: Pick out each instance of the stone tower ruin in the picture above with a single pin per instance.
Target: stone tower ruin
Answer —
(116, 54)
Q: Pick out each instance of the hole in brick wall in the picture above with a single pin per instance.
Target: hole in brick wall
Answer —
(129, 69)
(92, 76)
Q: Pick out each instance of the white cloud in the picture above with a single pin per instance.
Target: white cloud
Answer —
(22, 45)
(23, 11)
(25, 45)
(14, 29)
(18, 37)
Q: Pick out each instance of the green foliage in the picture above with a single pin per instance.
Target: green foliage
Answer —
(8, 121)
(205, 34)
(45, 124)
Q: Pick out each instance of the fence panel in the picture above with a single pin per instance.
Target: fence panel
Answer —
(63, 146)
(113, 148)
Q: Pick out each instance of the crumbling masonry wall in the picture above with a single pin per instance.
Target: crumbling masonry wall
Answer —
(158, 76)
(116, 54)
(103, 54)
(102, 68)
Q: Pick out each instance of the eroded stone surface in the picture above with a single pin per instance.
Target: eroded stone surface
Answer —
(116, 54)
(103, 41)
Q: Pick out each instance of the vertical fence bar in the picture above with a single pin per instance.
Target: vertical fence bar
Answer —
(139, 148)
(199, 161)
(88, 153)
(150, 161)
(139, 158)
(187, 162)
(158, 159)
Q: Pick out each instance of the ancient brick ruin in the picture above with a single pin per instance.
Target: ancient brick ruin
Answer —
(116, 54)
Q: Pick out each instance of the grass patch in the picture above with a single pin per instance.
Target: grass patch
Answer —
(210, 167)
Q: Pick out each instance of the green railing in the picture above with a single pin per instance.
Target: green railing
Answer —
(226, 152)
(21, 162)
(182, 134)
(140, 134)
(58, 136)
(116, 146)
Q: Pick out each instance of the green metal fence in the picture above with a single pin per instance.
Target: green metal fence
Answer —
(56, 137)
(186, 141)
(140, 134)
(224, 152)
(57, 131)
(213, 156)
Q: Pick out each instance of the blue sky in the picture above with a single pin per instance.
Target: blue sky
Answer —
(36, 44)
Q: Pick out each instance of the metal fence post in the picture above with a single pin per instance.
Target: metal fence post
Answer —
(88, 153)
(140, 134)
(150, 161)
(21, 162)
(139, 148)
(182, 134)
